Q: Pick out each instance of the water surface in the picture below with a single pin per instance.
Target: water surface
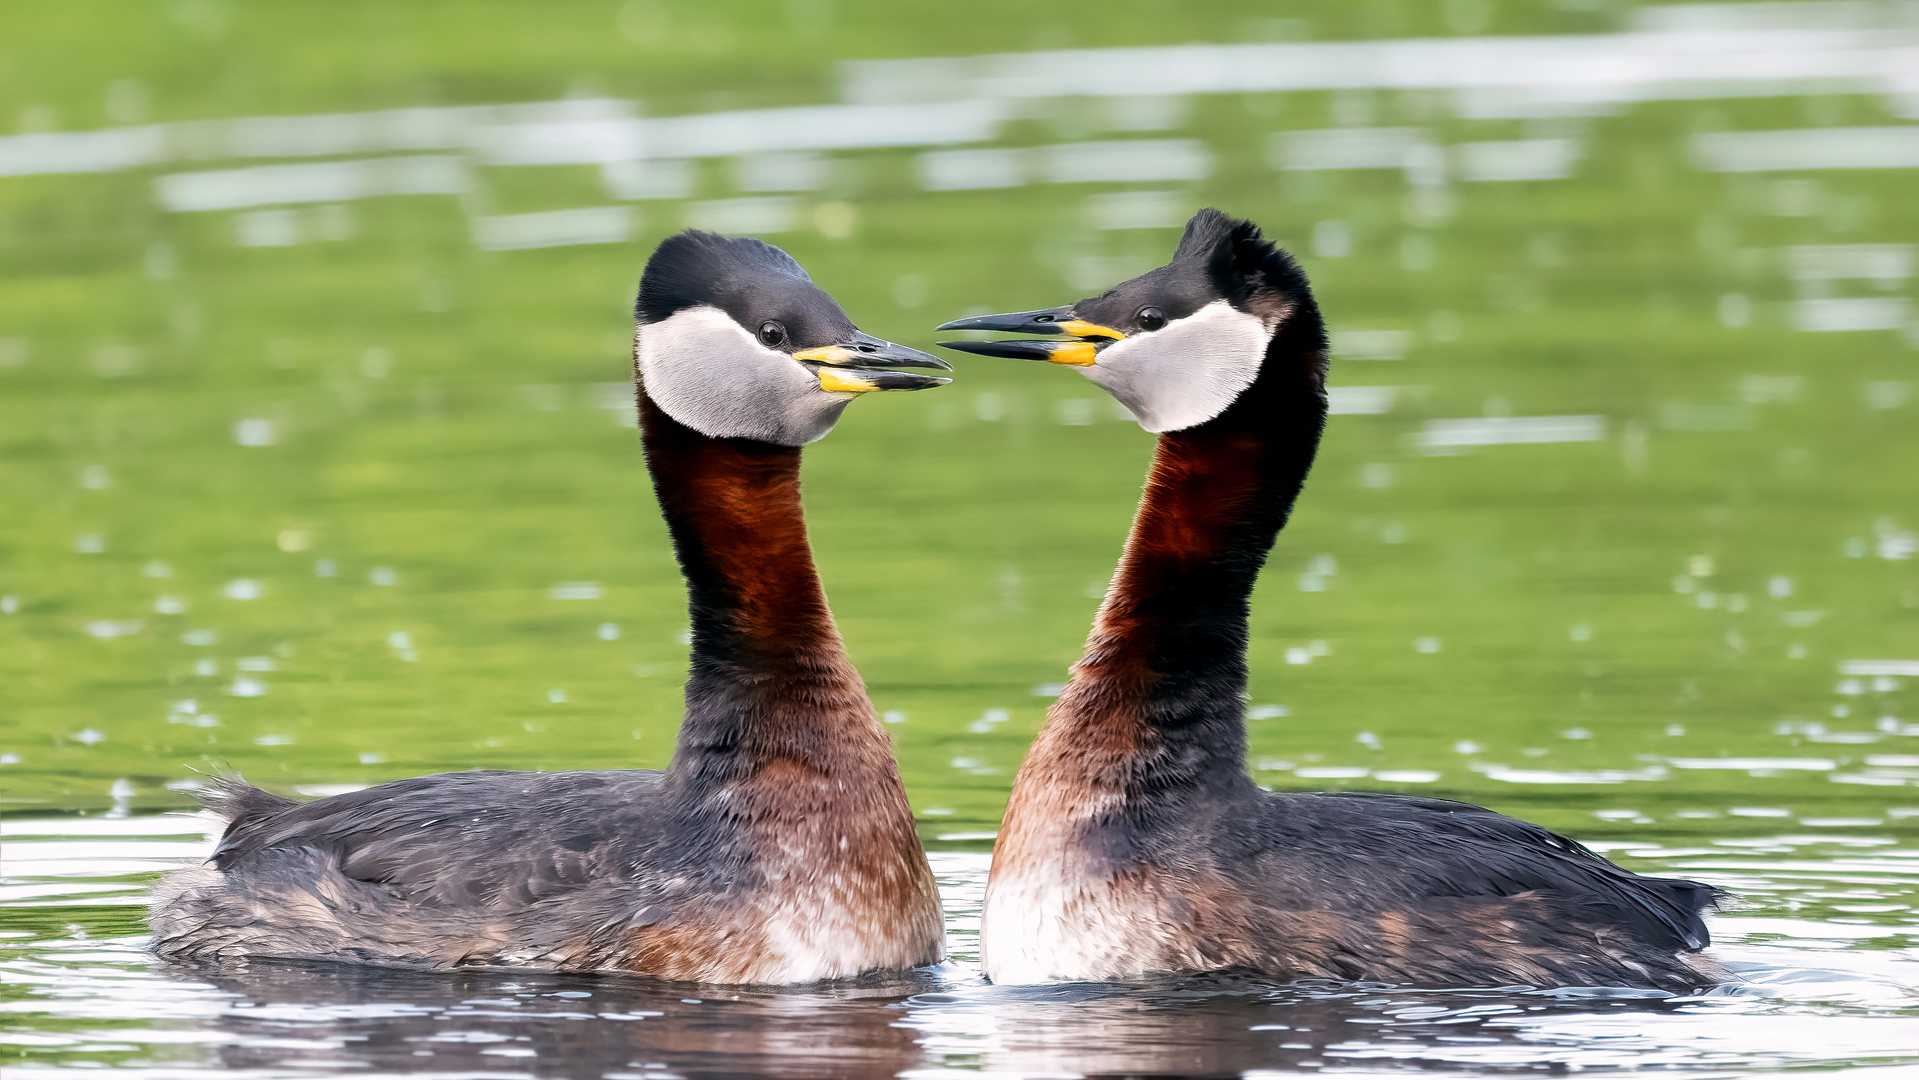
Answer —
(1825, 980)
(327, 475)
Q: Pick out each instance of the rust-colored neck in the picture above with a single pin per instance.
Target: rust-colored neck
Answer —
(1157, 697)
(1188, 561)
(783, 788)
(770, 677)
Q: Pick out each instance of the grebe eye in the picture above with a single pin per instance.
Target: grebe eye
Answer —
(772, 334)
(1151, 318)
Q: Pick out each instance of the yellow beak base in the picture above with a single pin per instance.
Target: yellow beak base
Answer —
(842, 382)
(1080, 328)
(825, 354)
(1073, 353)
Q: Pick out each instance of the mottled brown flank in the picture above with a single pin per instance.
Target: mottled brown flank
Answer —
(694, 953)
(1194, 919)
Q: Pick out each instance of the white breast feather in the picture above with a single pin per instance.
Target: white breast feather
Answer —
(1055, 923)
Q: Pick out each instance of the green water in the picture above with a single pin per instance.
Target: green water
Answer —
(327, 493)
(444, 455)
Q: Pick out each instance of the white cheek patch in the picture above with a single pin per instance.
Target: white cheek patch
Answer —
(1187, 372)
(708, 373)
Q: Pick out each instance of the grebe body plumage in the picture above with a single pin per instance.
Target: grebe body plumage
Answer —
(778, 847)
(1135, 842)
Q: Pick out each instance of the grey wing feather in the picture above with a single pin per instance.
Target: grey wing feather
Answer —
(1399, 849)
(472, 839)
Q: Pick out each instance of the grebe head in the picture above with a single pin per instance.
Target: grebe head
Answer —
(1175, 345)
(734, 340)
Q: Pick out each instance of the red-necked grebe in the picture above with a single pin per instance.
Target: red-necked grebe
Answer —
(1135, 842)
(778, 847)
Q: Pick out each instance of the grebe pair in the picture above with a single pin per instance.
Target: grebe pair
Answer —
(778, 847)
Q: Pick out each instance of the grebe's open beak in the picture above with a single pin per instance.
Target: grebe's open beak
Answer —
(867, 363)
(1083, 351)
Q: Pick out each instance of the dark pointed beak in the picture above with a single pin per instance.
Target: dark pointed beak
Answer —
(867, 363)
(1048, 321)
(1081, 352)
(867, 351)
(1076, 353)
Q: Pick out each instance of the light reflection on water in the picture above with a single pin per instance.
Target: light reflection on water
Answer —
(1832, 990)
(1611, 529)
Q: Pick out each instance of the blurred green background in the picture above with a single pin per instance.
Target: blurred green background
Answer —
(333, 485)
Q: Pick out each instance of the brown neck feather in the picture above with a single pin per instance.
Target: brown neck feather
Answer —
(1156, 701)
(783, 778)
(770, 679)
(1200, 484)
